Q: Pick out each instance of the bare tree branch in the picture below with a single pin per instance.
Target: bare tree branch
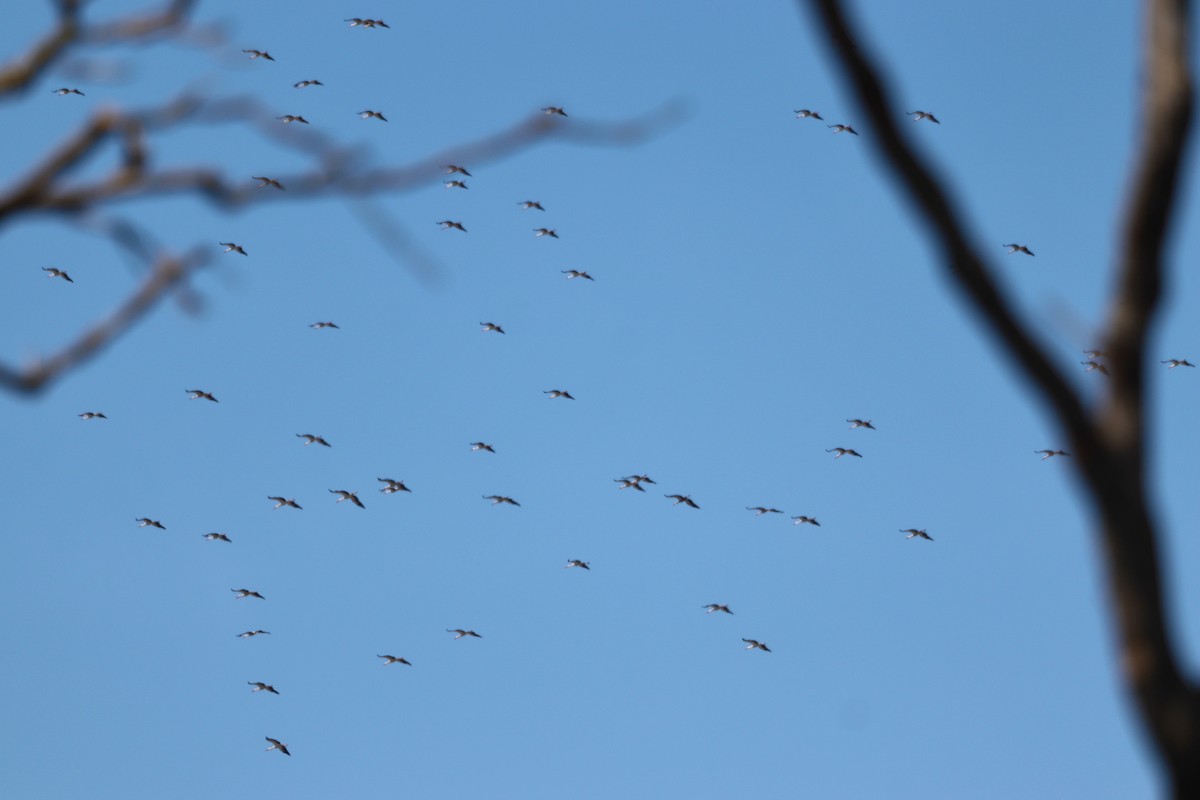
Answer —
(1109, 450)
(1166, 114)
(167, 273)
(335, 169)
(19, 75)
(340, 171)
(968, 269)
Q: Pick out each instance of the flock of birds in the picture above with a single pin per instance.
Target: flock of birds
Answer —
(456, 180)
(636, 482)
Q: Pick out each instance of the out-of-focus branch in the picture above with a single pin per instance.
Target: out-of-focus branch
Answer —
(335, 169)
(968, 269)
(135, 27)
(21, 73)
(167, 273)
(1166, 117)
(338, 171)
(1109, 451)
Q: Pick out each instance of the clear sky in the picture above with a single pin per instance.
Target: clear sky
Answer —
(757, 282)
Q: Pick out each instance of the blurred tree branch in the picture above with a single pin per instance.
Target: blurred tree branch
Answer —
(1110, 442)
(335, 169)
(20, 75)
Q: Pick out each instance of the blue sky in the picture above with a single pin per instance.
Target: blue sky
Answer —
(757, 282)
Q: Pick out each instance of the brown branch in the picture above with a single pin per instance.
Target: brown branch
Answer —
(968, 269)
(167, 273)
(1166, 115)
(339, 171)
(140, 27)
(20, 74)
(1109, 454)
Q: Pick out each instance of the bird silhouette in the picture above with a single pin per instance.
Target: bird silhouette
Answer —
(920, 534)
(682, 498)
(277, 745)
(54, 272)
(344, 495)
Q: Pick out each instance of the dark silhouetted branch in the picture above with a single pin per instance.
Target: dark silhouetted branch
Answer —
(1109, 449)
(20, 74)
(167, 273)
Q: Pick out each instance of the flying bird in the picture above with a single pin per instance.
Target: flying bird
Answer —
(682, 498)
(455, 169)
(552, 111)
(920, 115)
(844, 451)
(1095, 353)
(628, 483)
(760, 510)
(265, 182)
(528, 204)
(259, 686)
(802, 520)
(545, 232)
(447, 224)
(860, 423)
(393, 660)
(312, 439)
(92, 415)
(251, 634)
(1172, 363)
(246, 593)
(355, 22)
(344, 495)
(319, 325)
(146, 521)
(280, 502)
(54, 272)
(393, 486)
(230, 247)
(460, 633)
(803, 113)
(1050, 453)
(305, 84)
(716, 607)
(1093, 364)
(200, 394)
(639, 479)
(481, 446)
(258, 54)
(574, 562)
(368, 114)
(64, 91)
(558, 393)
(286, 118)
(491, 326)
(277, 745)
(455, 185)
(576, 273)
(921, 534)
(497, 499)
(1018, 248)
(753, 644)
(217, 537)
(842, 128)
